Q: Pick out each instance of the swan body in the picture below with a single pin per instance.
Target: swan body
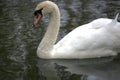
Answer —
(98, 38)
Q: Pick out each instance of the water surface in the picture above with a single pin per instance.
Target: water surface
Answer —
(19, 41)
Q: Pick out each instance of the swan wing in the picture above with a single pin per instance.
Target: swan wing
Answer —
(87, 41)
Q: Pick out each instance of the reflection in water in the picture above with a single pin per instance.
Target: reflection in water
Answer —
(19, 41)
(89, 69)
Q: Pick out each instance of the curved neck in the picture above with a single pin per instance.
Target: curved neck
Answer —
(50, 37)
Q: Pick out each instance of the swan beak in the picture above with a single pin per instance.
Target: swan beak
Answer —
(37, 19)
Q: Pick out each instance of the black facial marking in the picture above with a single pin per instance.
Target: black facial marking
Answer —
(38, 12)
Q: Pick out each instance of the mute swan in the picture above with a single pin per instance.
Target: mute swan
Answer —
(98, 38)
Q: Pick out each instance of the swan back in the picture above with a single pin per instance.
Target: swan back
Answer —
(98, 38)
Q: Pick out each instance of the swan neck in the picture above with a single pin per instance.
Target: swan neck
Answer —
(50, 36)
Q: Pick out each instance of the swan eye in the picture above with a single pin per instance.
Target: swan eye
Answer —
(38, 12)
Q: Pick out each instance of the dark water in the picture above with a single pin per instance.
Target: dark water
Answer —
(19, 41)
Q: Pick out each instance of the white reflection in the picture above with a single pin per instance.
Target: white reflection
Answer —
(90, 69)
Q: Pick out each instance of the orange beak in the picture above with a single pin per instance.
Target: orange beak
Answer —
(37, 19)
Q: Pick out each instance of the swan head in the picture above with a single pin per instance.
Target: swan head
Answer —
(43, 8)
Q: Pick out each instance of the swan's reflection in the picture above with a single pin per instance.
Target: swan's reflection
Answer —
(89, 69)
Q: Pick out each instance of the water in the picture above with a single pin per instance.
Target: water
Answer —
(19, 41)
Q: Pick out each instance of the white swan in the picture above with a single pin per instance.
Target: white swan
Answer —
(98, 38)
